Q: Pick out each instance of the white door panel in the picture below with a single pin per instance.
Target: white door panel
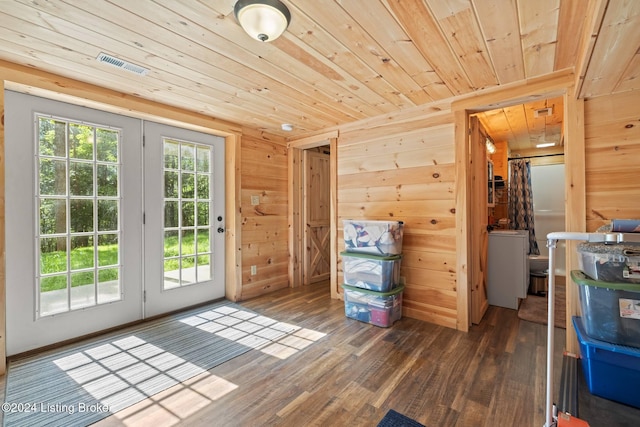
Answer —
(184, 223)
(34, 318)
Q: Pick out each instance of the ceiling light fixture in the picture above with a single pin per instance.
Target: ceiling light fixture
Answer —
(545, 145)
(491, 148)
(264, 20)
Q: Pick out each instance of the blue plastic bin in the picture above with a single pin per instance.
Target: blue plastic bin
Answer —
(611, 371)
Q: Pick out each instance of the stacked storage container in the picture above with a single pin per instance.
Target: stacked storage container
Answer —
(609, 327)
(371, 268)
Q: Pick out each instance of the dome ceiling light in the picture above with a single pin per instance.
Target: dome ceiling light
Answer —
(263, 20)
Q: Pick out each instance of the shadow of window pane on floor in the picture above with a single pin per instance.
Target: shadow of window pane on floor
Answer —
(136, 379)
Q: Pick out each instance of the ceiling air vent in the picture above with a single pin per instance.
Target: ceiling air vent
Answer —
(124, 65)
(543, 112)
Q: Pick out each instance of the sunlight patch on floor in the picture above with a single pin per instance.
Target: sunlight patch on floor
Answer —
(278, 339)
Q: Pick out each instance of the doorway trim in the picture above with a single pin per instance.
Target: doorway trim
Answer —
(562, 83)
(295, 152)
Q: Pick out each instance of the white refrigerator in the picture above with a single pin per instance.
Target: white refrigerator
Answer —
(508, 272)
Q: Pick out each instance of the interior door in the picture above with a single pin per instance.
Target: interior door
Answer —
(184, 223)
(317, 257)
(73, 221)
(479, 220)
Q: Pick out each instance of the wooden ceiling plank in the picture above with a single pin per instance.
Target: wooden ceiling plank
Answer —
(229, 39)
(538, 29)
(571, 22)
(364, 49)
(157, 60)
(458, 21)
(496, 124)
(617, 43)
(288, 83)
(380, 24)
(285, 70)
(420, 25)
(499, 24)
(517, 119)
(154, 84)
(630, 79)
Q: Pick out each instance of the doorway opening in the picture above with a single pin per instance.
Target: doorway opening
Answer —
(312, 211)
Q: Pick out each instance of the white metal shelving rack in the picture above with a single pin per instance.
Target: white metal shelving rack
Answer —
(552, 241)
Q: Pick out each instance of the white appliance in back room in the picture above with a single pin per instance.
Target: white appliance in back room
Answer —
(508, 272)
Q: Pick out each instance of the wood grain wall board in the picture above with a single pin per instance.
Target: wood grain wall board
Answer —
(397, 210)
(255, 289)
(435, 297)
(397, 160)
(265, 234)
(405, 140)
(257, 184)
(434, 226)
(429, 313)
(267, 197)
(419, 242)
(414, 175)
(405, 192)
(429, 260)
(431, 278)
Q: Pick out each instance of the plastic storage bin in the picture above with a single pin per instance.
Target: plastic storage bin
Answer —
(610, 263)
(376, 273)
(382, 238)
(378, 308)
(610, 311)
(611, 371)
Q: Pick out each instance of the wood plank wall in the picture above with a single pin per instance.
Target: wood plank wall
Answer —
(405, 170)
(612, 158)
(264, 229)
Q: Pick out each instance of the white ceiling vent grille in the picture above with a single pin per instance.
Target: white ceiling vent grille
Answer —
(124, 65)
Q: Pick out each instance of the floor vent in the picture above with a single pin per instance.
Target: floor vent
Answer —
(119, 63)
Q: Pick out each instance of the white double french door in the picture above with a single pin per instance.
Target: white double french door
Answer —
(101, 228)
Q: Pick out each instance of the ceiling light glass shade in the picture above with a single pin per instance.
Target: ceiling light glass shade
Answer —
(264, 20)
(491, 148)
(545, 145)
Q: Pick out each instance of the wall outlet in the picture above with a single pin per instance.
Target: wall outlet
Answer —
(255, 200)
(254, 270)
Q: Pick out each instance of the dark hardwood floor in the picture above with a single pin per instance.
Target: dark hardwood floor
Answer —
(340, 372)
(493, 375)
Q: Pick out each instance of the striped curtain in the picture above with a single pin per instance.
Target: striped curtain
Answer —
(521, 201)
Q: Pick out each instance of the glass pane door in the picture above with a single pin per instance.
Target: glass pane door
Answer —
(187, 209)
(78, 234)
(74, 227)
(184, 208)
